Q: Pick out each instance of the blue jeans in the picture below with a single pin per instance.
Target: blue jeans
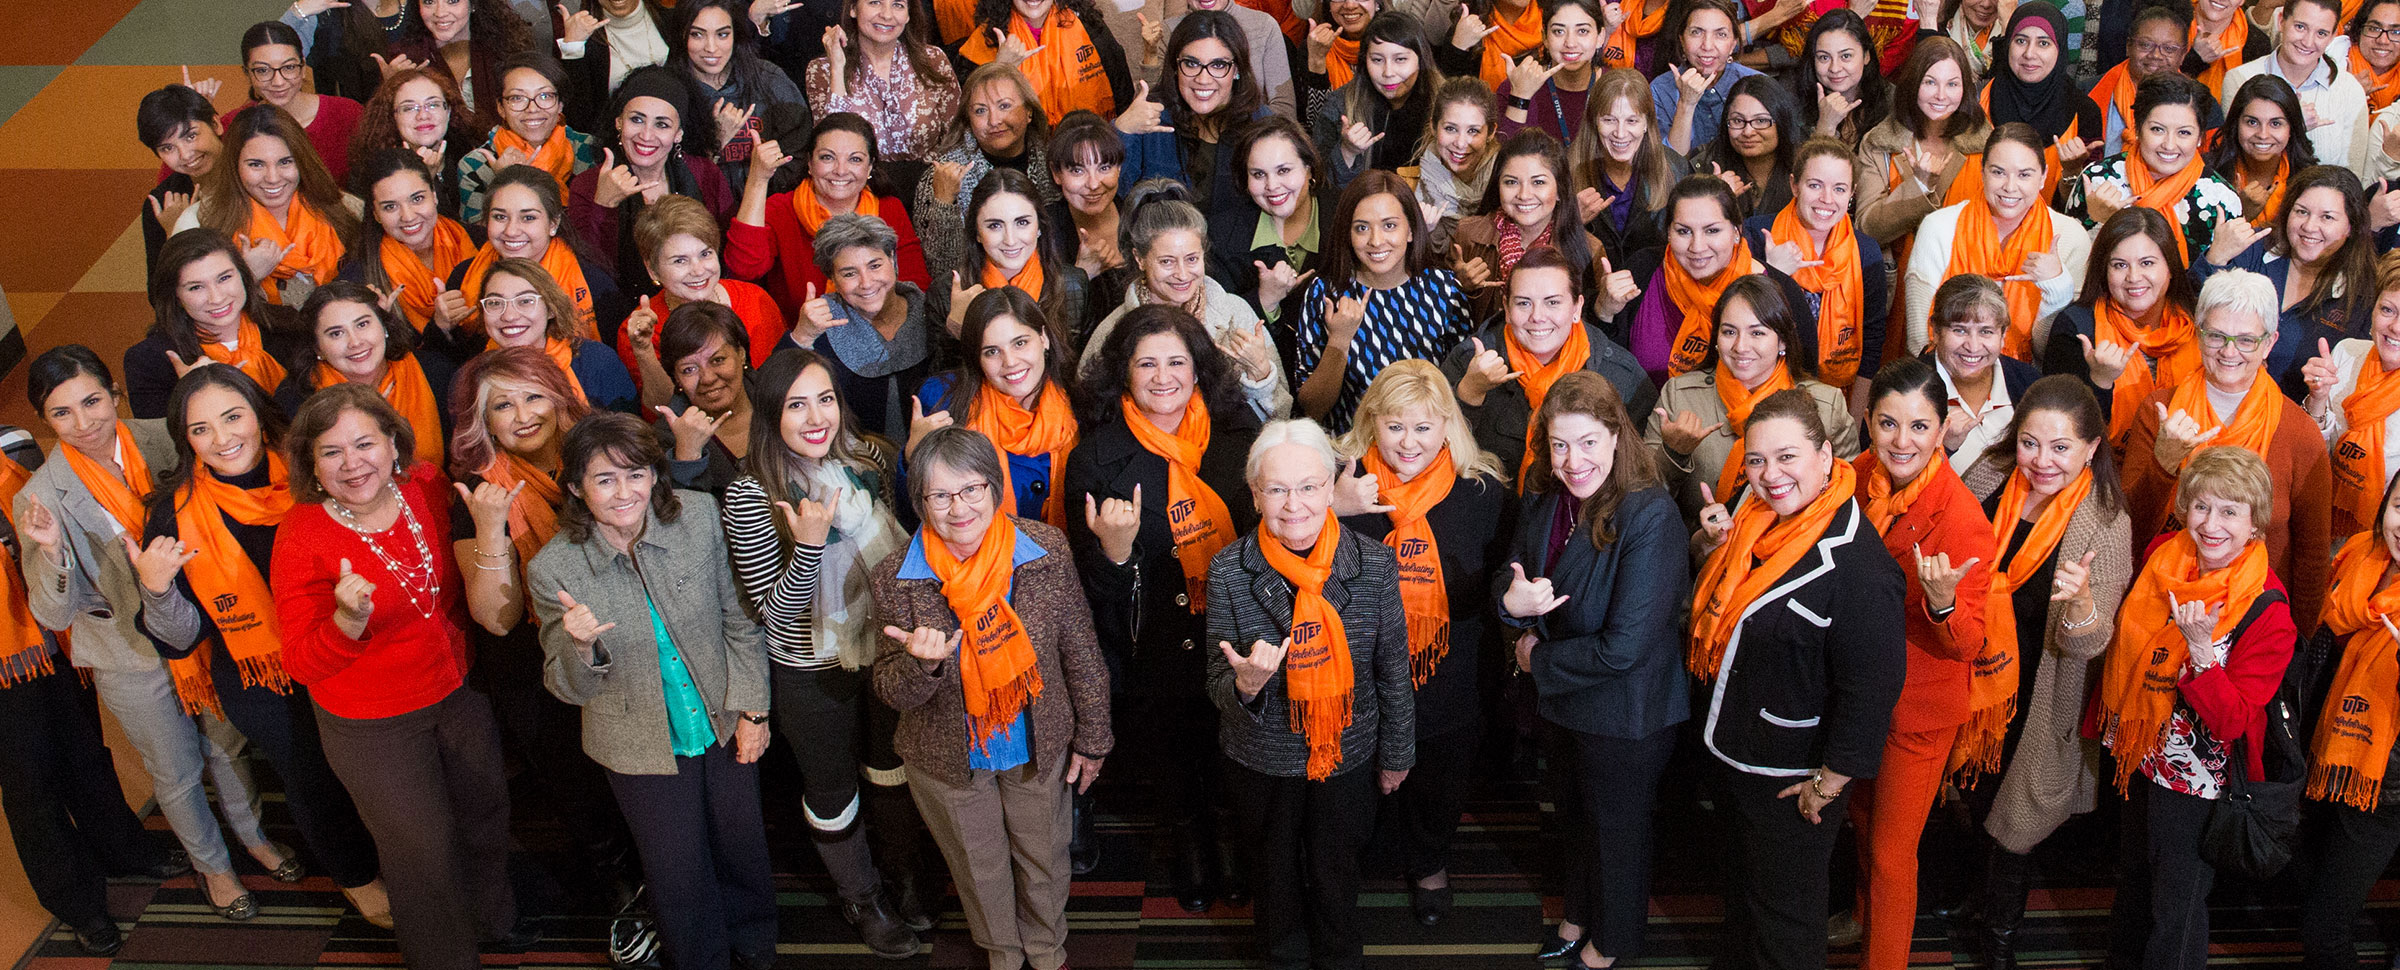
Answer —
(176, 753)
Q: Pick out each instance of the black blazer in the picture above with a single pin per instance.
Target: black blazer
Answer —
(1874, 316)
(1473, 540)
(1816, 664)
(1505, 417)
(1609, 659)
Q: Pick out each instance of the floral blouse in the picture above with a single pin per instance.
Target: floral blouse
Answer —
(2210, 202)
(908, 113)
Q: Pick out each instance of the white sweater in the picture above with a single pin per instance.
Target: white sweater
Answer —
(2341, 111)
(1929, 265)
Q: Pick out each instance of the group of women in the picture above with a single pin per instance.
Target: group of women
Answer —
(1817, 414)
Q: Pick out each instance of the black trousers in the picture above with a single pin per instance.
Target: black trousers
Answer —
(1607, 789)
(545, 736)
(282, 728)
(1303, 838)
(2161, 920)
(2351, 850)
(58, 786)
(1422, 814)
(703, 840)
(1776, 890)
(430, 786)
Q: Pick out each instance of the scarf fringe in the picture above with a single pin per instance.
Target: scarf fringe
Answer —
(1003, 703)
(1428, 643)
(1321, 723)
(266, 670)
(195, 686)
(2342, 783)
(2129, 752)
(25, 665)
(1979, 743)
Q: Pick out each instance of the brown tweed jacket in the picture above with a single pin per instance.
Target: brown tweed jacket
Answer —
(2055, 773)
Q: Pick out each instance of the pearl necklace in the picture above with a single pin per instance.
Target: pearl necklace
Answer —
(421, 581)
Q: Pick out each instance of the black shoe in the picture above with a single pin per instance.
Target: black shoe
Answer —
(1083, 848)
(520, 938)
(175, 865)
(2006, 879)
(883, 933)
(907, 905)
(1557, 947)
(1231, 887)
(1430, 905)
(1194, 871)
(99, 937)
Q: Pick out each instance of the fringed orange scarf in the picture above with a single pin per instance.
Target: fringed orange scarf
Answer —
(2354, 736)
(2161, 194)
(228, 586)
(812, 213)
(556, 156)
(1510, 38)
(1976, 247)
(1992, 694)
(121, 497)
(1759, 550)
(248, 355)
(1698, 302)
(1536, 377)
(1196, 515)
(1424, 591)
(1049, 429)
(2169, 357)
(1738, 402)
(316, 247)
(1841, 288)
(28, 656)
(421, 285)
(996, 664)
(559, 261)
(2252, 425)
(2145, 661)
(405, 386)
(1317, 677)
(2358, 472)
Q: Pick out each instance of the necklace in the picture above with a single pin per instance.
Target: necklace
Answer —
(398, 19)
(421, 580)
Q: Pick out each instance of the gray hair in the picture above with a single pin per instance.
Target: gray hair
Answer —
(848, 231)
(1159, 206)
(1291, 431)
(959, 449)
(2240, 291)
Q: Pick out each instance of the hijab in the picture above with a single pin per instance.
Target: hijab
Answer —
(2052, 104)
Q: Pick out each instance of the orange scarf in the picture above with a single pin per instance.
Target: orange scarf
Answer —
(1976, 247)
(2231, 40)
(559, 261)
(1738, 402)
(316, 248)
(420, 285)
(1196, 514)
(1064, 66)
(2252, 425)
(2145, 661)
(533, 517)
(996, 665)
(1993, 691)
(1884, 504)
(2274, 200)
(1050, 429)
(405, 386)
(2115, 90)
(1536, 377)
(1341, 62)
(1424, 591)
(2383, 87)
(556, 156)
(2152, 192)
(2172, 349)
(2354, 736)
(30, 657)
(953, 20)
(1759, 550)
(562, 353)
(812, 213)
(1510, 38)
(121, 497)
(1029, 278)
(1841, 290)
(1698, 303)
(249, 355)
(2358, 472)
(228, 586)
(1317, 677)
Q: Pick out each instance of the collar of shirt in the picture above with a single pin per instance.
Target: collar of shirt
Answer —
(2321, 77)
(1268, 235)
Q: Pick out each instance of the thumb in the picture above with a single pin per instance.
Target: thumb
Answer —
(1141, 90)
(812, 294)
(133, 550)
(1091, 509)
(567, 599)
(2086, 342)
(2172, 606)
(2162, 412)
(1970, 564)
(346, 567)
(916, 409)
(1604, 267)
(2324, 349)
(1708, 494)
(1518, 569)
(1478, 342)
(1230, 656)
(2087, 557)
(608, 159)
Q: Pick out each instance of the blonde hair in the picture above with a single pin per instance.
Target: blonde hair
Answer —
(1417, 383)
(671, 216)
(2233, 474)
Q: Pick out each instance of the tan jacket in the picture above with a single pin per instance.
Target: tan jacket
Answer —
(1888, 212)
(1697, 392)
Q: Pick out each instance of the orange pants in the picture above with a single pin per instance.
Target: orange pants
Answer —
(1890, 810)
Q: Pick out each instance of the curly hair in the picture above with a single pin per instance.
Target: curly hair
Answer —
(1104, 380)
(377, 131)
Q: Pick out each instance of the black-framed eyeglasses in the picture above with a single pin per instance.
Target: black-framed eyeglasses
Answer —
(516, 101)
(288, 72)
(1760, 123)
(1191, 67)
(972, 495)
(2375, 31)
(2247, 343)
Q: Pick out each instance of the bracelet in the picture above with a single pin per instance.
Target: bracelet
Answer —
(507, 553)
(1816, 787)
(2093, 617)
(496, 569)
(1521, 104)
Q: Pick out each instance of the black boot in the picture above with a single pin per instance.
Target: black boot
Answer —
(1194, 871)
(882, 931)
(896, 831)
(1083, 848)
(907, 903)
(2006, 878)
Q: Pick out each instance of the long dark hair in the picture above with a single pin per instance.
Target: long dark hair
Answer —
(995, 14)
(923, 57)
(1930, 51)
(366, 242)
(746, 70)
(2164, 90)
(2067, 395)
(2351, 268)
(1013, 182)
(1399, 29)
(627, 441)
(494, 32)
(770, 461)
(988, 307)
(399, 339)
(2131, 221)
(1245, 99)
(1910, 375)
(1874, 92)
(168, 321)
(1766, 302)
(1780, 106)
(1104, 382)
(1566, 215)
(1340, 257)
(2225, 157)
(271, 424)
(1589, 394)
(225, 205)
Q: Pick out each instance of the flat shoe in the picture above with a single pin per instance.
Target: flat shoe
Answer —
(1431, 905)
(100, 937)
(240, 910)
(291, 870)
(1558, 946)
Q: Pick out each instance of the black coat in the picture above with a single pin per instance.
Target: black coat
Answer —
(1505, 417)
(1874, 314)
(1609, 660)
(1473, 541)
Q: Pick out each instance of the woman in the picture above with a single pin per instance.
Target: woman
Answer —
(78, 511)
(370, 611)
(1334, 38)
(466, 40)
(1203, 111)
(522, 306)
(1503, 31)
(1593, 622)
(205, 306)
(2032, 86)
(355, 338)
(532, 131)
(1000, 127)
(2375, 54)
(1317, 710)
(1167, 428)
(2131, 328)
(341, 40)
(1980, 384)
(1749, 152)
(1168, 242)
(274, 193)
(417, 103)
(178, 125)
(2346, 396)
(1840, 269)
(1015, 393)
(802, 525)
(1839, 56)
(624, 36)
(1390, 90)
(1454, 158)
(1416, 448)
(2264, 141)
(2223, 38)
(1691, 96)
(527, 219)
(1065, 49)
(1531, 203)
(2162, 169)
(1799, 597)
(1552, 98)
(880, 66)
(2350, 756)
(678, 243)
(1929, 520)
(1624, 170)
(1969, 24)
(2231, 402)
(1662, 302)
(878, 365)
(1393, 304)
(664, 138)
(1908, 163)
(405, 247)
(205, 552)
(2320, 255)
(706, 421)
(1697, 426)
(1087, 164)
(1503, 373)
(772, 238)
(275, 60)
(1009, 247)
(1292, 233)
(682, 742)
(2210, 615)
(2065, 557)
(714, 45)
(996, 736)
(2008, 232)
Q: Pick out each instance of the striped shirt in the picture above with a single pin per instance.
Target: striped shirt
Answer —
(783, 593)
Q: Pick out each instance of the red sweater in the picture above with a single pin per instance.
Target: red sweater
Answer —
(337, 119)
(760, 316)
(783, 256)
(1941, 655)
(406, 662)
(2299, 531)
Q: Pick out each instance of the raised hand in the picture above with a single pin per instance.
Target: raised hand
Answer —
(2391, 142)
(2178, 436)
(1785, 256)
(617, 182)
(1617, 288)
(1940, 579)
(810, 521)
(1320, 40)
(1473, 274)
(1528, 598)
(2040, 265)
(2072, 580)
(1154, 38)
(1249, 347)
(1095, 254)
(641, 330)
(1715, 520)
(1927, 161)
(2102, 198)
(41, 527)
(166, 207)
(2106, 362)
(577, 26)
(1357, 493)
(183, 366)
(1357, 137)
(353, 596)
(1011, 50)
(2197, 621)
(1832, 107)
(396, 64)
(1732, 180)
(692, 430)
(1956, 427)
(1251, 673)
(837, 52)
(816, 313)
(960, 295)
(158, 563)
(927, 644)
(1683, 432)
(450, 308)
(921, 424)
(1343, 318)
(2233, 238)
(946, 178)
(732, 121)
(2207, 49)
(2073, 153)
(765, 158)
(261, 255)
(1589, 203)
(762, 11)
(1692, 84)
(311, 8)
(1277, 282)
(1143, 115)
(488, 504)
(1526, 75)
(579, 623)
(2383, 206)
(1115, 523)
(2320, 375)
(1486, 370)
(1470, 31)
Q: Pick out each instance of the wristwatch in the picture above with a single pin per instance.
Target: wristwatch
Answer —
(754, 718)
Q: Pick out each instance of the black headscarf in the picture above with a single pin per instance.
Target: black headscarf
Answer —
(2052, 103)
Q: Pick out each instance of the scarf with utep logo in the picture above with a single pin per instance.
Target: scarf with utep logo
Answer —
(1318, 680)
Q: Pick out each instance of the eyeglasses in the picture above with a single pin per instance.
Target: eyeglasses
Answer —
(2247, 343)
(517, 101)
(972, 495)
(1306, 490)
(2161, 50)
(496, 304)
(432, 106)
(1191, 67)
(1759, 123)
(288, 72)
(2375, 31)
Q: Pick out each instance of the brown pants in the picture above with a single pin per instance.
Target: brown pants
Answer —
(1005, 837)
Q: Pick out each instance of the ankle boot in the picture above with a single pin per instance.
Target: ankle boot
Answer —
(1194, 872)
(896, 830)
(1083, 848)
(2006, 879)
(882, 931)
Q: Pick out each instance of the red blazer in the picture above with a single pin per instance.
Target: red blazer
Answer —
(406, 662)
(783, 256)
(2299, 529)
(1941, 655)
(760, 315)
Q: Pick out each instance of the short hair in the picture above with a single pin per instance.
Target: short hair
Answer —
(318, 414)
(2240, 291)
(1547, 257)
(848, 121)
(471, 446)
(1910, 375)
(1419, 383)
(690, 326)
(565, 318)
(538, 62)
(960, 449)
(58, 365)
(1930, 51)
(1292, 431)
(1968, 297)
(851, 230)
(1250, 136)
(2166, 89)
(1084, 137)
(2174, 12)
(164, 113)
(2387, 273)
(625, 440)
(1789, 404)
(673, 215)
(2231, 473)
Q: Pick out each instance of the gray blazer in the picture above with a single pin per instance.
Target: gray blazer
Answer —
(681, 568)
(95, 593)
